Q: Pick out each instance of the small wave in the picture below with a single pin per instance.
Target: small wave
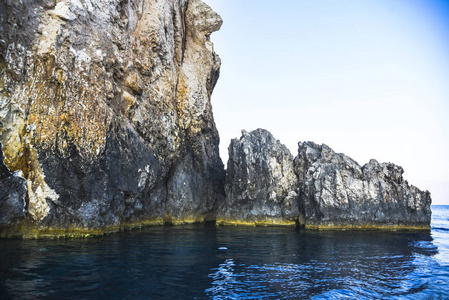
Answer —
(413, 289)
(422, 244)
(440, 228)
(424, 248)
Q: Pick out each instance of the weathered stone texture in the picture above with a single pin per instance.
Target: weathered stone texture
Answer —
(12, 196)
(337, 193)
(105, 109)
(319, 189)
(106, 123)
(261, 186)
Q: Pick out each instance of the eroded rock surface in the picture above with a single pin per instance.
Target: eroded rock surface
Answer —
(12, 196)
(106, 123)
(105, 110)
(261, 186)
(338, 193)
(319, 189)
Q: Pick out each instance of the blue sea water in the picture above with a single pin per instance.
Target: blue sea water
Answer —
(207, 262)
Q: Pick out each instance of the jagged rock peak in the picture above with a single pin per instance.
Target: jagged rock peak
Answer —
(337, 193)
(261, 186)
(319, 189)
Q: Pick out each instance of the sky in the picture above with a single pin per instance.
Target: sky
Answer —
(368, 78)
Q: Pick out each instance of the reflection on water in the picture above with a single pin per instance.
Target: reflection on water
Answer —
(153, 263)
(440, 232)
(324, 265)
(196, 262)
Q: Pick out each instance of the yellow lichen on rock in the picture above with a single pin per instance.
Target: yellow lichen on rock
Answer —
(14, 137)
(389, 227)
(258, 222)
(129, 100)
(30, 230)
(134, 82)
(65, 112)
(39, 193)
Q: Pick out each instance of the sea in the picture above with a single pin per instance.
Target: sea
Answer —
(209, 262)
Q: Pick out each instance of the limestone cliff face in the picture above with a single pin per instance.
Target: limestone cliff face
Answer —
(338, 193)
(261, 186)
(105, 112)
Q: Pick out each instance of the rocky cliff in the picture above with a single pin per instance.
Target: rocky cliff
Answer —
(320, 189)
(337, 193)
(106, 124)
(261, 185)
(106, 120)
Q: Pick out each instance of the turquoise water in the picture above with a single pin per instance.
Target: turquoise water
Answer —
(201, 262)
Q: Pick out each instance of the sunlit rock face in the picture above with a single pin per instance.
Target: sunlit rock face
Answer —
(338, 193)
(105, 111)
(261, 186)
(319, 189)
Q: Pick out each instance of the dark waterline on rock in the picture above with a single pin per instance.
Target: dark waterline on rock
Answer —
(207, 262)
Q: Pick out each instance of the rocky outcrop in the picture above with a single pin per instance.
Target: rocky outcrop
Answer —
(105, 111)
(337, 193)
(261, 186)
(320, 189)
(106, 124)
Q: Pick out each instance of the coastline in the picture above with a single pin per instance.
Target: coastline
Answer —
(27, 231)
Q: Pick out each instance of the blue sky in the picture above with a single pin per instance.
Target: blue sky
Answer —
(368, 78)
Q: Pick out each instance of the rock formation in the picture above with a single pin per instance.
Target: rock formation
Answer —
(337, 193)
(105, 112)
(261, 186)
(321, 189)
(106, 124)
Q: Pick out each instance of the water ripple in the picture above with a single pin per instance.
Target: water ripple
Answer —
(194, 262)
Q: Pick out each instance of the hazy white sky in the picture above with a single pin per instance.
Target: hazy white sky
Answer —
(369, 78)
